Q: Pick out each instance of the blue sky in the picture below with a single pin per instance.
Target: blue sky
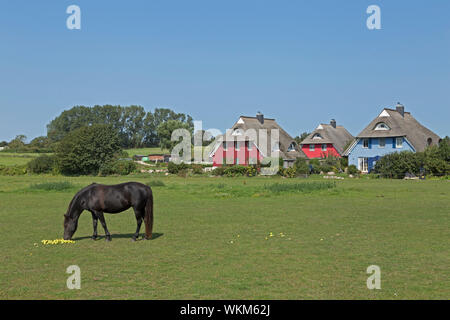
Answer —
(301, 62)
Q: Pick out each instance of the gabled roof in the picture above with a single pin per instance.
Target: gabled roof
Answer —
(400, 126)
(338, 136)
(246, 123)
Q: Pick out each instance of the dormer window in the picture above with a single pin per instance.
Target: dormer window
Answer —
(291, 147)
(382, 126)
(317, 136)
(237, 132)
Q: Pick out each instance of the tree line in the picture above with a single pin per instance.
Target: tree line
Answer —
(135, 127)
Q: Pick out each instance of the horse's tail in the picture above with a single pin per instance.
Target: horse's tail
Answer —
(148, 218)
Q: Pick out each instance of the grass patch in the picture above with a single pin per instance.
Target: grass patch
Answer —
(156, 183)
(299, 187)
(53, 186)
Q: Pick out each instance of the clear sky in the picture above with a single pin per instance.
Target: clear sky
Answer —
(301, 62)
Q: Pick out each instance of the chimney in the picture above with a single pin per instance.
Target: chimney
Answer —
(333, 123)
(400, 109)
(260, 117)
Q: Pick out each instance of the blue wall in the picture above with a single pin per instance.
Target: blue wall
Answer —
(374, 151)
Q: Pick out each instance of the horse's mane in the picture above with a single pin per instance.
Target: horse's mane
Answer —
(76, 198)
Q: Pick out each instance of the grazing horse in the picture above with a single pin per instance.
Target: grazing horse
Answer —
(98, 198)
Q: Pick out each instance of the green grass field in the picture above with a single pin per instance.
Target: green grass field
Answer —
(212, 241)
(12, 159)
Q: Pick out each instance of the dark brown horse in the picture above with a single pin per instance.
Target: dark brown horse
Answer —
(98, 198)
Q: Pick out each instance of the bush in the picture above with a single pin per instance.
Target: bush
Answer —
(176, 168)
(197, 169)
(119, 167)
(85, 150)
(352, 169)
(301, 167)
(13, 170)
(233, 171)
(397, 164)
(42, 164)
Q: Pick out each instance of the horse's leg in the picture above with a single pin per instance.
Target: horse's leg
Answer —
(139, 217)
(94, 223)
(103, 222)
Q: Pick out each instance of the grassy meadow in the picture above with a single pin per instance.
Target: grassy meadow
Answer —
(232, 238)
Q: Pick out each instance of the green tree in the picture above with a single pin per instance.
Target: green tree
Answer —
(84, 150)
(165, 130)
(18, 142)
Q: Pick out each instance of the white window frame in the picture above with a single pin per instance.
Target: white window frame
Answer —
(249, 145)
(384, 142)
(363, 143)
(397, 144)
(312, 147)
(324, 147)
(363, 164)
(382, 126)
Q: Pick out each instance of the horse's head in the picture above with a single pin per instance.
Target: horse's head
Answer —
(70, 226)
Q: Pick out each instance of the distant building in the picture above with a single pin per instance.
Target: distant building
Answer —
(394, 130)
(239, 148)
(325, 140)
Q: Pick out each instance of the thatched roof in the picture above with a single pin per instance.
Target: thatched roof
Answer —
(338, 136)
(245, 123)
(400, 126)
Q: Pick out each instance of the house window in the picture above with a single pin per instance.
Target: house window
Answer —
(317, 136)
(238, 145)
(363, 164)
(366, 143)
(382, 126)
(291, 147)
(312, 147)
(324, 147)
(429, 141)
(249, 145)
(382, 143)
(399, 142)
(237, 132)
(224, 145)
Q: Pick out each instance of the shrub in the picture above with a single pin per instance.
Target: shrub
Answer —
(352, 169)
(42, 164)
(119, 167)
(85, 150)
(397, 164)
(301, 167)
(176, 168)
(13, 170)
(233, 171)
(197, 169)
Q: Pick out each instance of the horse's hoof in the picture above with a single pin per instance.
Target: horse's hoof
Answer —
(148, 238)
(108, 239)
(133, 239)
(94, 238)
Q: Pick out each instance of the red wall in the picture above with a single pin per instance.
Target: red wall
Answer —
(243, 154)
(318, 153)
